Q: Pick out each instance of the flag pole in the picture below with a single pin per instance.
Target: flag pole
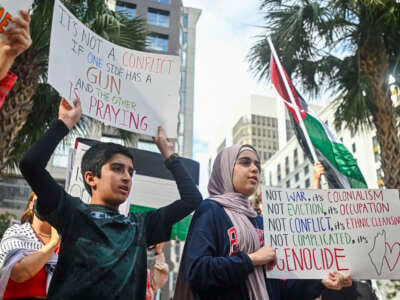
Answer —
(296, 108)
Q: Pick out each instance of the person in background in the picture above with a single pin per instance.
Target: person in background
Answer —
(15, 40)
(158, 275)
(359, 290)
(318, 170)
(27, 257)
(257, 203)
(224, 255)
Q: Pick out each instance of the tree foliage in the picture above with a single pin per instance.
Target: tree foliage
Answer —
(345, 49)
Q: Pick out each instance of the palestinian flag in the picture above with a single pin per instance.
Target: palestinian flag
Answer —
(341, 169)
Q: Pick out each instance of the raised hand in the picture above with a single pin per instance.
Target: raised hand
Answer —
(165, 146)
(70, 115)
(15, 40)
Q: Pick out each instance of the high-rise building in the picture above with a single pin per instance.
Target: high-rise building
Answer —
(259, 121)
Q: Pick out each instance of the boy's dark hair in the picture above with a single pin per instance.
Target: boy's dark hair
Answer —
(97, 156)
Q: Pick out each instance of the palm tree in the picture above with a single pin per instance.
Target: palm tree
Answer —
(347, 47)
(32, 104)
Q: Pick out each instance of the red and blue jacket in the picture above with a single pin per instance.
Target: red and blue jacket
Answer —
(216, 270)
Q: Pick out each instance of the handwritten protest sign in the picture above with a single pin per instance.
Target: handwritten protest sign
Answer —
(10, 9)
(131, 90)
(317, 231)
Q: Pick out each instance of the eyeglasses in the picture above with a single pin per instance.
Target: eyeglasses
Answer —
(247, 161)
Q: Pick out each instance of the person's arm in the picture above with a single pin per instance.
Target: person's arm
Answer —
(5, 86)
(190, 197)
(159, 274)
(30, 265)
(318, 170)
(15, 40)
(33, 164)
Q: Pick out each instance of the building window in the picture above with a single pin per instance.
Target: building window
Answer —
(184, 39)
(306, 170)
(296, 177)
(162, 1)
(60, 158)
(287, 170)
(288, 184)
(148, 146)
(307, 183)
(158, 17)
(158, 42)
(353, 146)
(127, 9)
(186, 20)
(183, 80)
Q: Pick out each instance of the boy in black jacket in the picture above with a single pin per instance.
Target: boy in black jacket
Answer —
(103, 253)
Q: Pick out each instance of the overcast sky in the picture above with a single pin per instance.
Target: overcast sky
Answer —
(225, 32)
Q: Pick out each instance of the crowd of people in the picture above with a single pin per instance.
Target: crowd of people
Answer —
(65, 249)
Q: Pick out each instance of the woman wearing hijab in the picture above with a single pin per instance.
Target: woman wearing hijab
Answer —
(224, 256)
(27, 257)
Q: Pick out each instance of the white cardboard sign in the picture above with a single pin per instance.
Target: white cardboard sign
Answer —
(123, 88)
(353, 231)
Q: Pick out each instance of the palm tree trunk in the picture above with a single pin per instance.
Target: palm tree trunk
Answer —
(18, 104)
(374, 65)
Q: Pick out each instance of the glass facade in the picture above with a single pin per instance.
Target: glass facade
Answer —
(162, 1)
(128, 9)
(186, 20)
(60, 157)
(158, 42)
(158, 17)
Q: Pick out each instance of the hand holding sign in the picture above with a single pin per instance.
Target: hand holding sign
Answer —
(336, 281)
(70, 115)
(266, 255)
(15, 40)
(165, 146)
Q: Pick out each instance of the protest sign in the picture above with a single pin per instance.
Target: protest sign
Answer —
(10, 9)
(123, 88)
(353, 231)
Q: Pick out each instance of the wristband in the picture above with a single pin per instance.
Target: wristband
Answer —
(171, 158)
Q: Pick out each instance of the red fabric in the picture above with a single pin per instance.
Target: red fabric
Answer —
(34, 287)
(5, 86)
(279, 84)
(149, 291)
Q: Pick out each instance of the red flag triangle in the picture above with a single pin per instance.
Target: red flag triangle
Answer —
(279, 84)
